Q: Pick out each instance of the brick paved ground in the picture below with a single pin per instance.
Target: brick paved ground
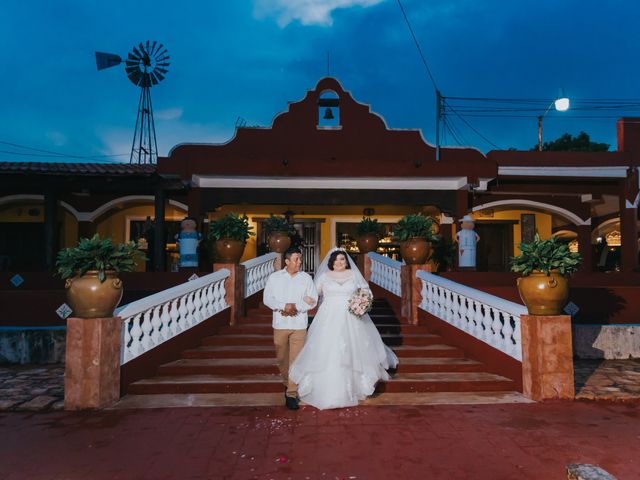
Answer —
(515, 441)
(609, 379)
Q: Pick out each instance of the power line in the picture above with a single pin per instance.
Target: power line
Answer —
(50, 153)
(470, 126)
(415, 40)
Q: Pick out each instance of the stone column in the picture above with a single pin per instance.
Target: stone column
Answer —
(92, 368)
(50, 228)
(366, 270)
(547, 357)
(234, 286)
(159, 235)
(584, 247)
(411, 291)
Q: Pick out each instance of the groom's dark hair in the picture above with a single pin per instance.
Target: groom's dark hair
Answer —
(334, 255)
(290, 251)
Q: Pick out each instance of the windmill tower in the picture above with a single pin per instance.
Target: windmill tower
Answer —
(146, 65)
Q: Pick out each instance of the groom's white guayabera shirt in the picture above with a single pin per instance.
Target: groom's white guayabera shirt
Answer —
(283, 288)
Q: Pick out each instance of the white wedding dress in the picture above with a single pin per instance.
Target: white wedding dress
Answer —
(343, 357)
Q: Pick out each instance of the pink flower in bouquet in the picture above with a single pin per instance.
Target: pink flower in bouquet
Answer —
(360, 302)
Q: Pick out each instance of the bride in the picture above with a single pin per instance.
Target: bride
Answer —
(343, 357)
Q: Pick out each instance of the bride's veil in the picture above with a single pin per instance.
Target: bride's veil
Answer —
(323, 268)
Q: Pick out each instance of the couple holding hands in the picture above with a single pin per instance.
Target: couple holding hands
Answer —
(339, 360)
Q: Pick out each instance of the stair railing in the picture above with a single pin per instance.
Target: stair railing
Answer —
(257, 271)
(488, 318)
(150, 321)
(385, 272)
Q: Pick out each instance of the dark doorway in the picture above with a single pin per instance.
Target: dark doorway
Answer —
(21, 246)
(495, 247)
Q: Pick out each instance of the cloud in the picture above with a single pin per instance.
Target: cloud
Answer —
(168, 113)
(307, 12)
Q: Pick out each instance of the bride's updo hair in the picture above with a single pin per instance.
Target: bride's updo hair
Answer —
(334, 255)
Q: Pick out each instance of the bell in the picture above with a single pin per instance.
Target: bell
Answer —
(328, 114)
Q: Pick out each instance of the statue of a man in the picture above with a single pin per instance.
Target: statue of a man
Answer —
(467, 239)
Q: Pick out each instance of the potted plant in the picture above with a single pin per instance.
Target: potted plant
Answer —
(91, 272)
(279, 232)
(545, 266)
(368, 232)
(444, 253)
(415, 234)
(229, 235)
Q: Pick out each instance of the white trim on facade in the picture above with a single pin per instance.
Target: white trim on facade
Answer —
(331, 183)
(572, 217)
(546, 171)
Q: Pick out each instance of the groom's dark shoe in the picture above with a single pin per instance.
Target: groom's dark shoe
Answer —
(291, 402)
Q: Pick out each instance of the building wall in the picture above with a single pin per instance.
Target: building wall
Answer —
(33, 212)
(543, 224)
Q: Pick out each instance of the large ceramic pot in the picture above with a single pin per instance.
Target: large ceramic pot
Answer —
(544, 294)
(228, 250)
(367, 242)
(279, 242)
(91, 298)
(415, 251)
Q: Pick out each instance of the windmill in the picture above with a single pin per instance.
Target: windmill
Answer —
(146, 65)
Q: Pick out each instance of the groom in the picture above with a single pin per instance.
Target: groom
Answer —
(290, 293)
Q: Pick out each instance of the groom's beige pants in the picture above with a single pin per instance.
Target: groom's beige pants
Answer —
(288, 345)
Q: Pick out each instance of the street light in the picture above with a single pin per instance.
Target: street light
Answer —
(561, 104)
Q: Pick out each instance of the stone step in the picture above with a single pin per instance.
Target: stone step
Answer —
(267, 329)
(249, 366)
(436, 350)
(251, 351)
(447, 382)
(267, 339)
(275, 399)
(264, 383)
(240, 340)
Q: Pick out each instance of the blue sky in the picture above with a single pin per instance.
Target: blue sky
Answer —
(247, 59)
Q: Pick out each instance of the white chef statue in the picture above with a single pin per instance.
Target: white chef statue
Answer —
(467, 239)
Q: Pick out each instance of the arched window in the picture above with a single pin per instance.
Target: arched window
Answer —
(328, 110)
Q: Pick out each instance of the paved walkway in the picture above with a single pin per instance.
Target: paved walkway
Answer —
(497, 442)
(41, 387)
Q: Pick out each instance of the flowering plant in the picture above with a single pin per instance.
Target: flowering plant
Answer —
(360, 302)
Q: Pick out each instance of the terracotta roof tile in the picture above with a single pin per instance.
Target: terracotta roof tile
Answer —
(52, 168)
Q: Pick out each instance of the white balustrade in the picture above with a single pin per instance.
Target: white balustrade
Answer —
(257, 272)
(385, 273)
(150, 321)
(488, 318)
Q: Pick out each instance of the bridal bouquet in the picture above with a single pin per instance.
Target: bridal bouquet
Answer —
(360, 302)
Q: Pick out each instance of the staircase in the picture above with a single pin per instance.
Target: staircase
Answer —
(237, 366)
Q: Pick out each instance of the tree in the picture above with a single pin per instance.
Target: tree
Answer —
(569, 143)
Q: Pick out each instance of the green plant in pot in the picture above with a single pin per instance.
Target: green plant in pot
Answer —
(229, 236)
(368, 233)
(415, 234)
(444, 253)
(545, 266)
(91, 272)
(279, 232)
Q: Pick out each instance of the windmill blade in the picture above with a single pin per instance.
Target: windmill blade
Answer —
(159, 75)
(107, 60)
(137, 53)
(161, 70)
(153, 47)
(153, 78)
(162, 64)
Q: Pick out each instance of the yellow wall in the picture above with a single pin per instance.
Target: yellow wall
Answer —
(543, 224)
(330, 214)
(115, 224)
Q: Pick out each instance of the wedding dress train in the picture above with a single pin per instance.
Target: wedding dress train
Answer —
(344, 356)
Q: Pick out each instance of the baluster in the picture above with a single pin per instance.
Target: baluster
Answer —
(176, 328)
(517, 339)
(448, 311)
(456, 313)
(441, 302)
(423, 294)
(432, 298)
(184, 320)
(197, 315)
(127, 325)
(462, 313)
(165, 320)
(156, 322)
(146, 327)
(190, 310)
(486, 324)
(477, 328)
(507, 332)
(496, 327)
(219, 294)
(210, 301)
